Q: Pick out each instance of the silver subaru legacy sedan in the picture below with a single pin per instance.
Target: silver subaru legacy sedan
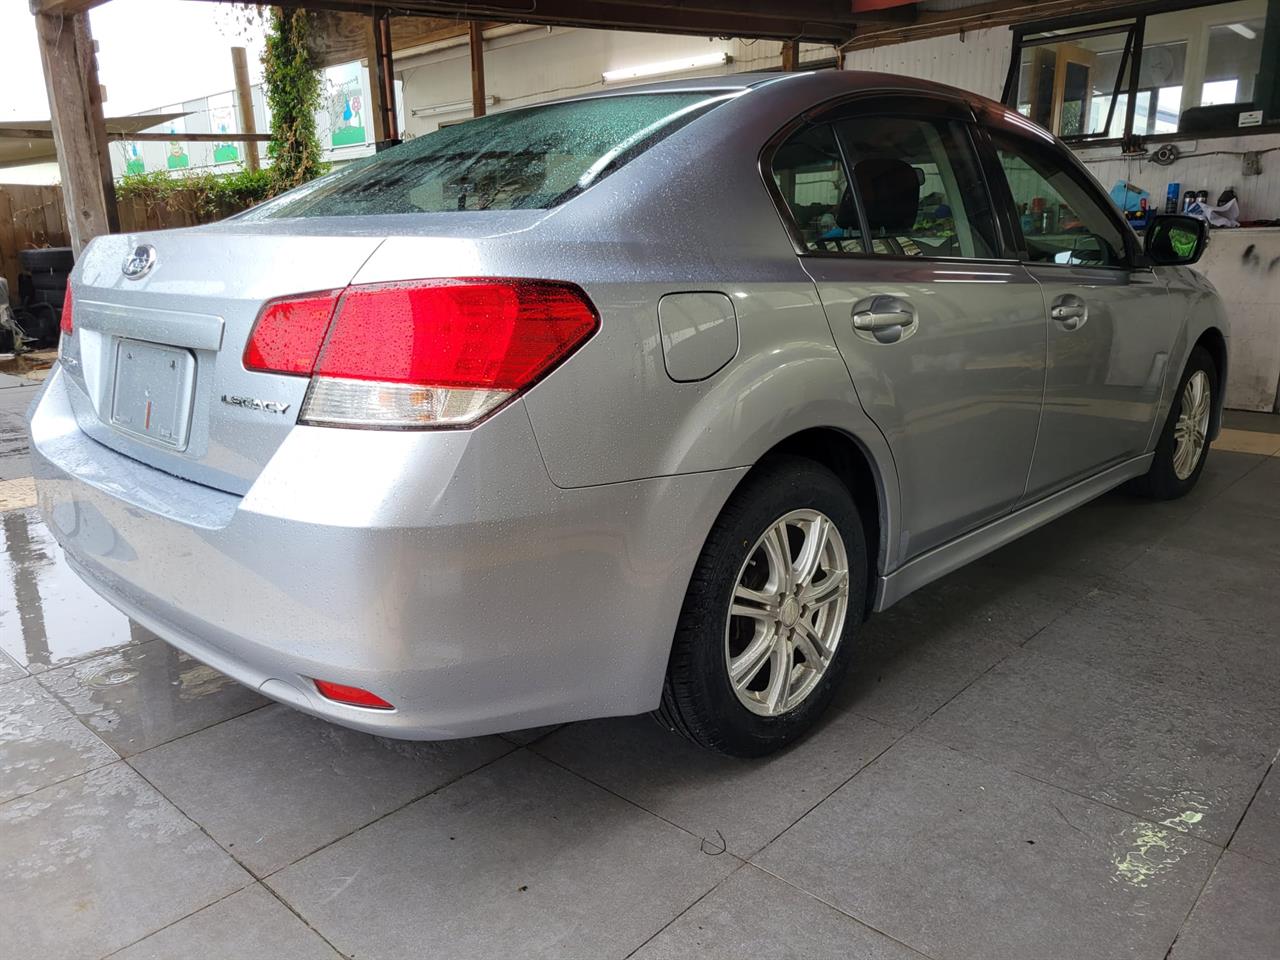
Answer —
(638, 401)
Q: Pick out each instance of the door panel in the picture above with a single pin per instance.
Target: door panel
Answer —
(1109, 336)
(943, 337)
(956, 392)
(1111, 325)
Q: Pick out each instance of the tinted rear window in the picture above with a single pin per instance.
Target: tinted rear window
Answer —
(522, 159)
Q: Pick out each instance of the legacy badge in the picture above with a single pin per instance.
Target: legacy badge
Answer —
(250, 403)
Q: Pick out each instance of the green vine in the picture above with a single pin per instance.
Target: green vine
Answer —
(292, 86)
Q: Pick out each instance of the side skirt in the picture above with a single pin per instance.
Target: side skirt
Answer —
(942, 560)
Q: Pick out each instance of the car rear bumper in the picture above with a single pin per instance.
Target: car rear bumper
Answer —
(443, 571)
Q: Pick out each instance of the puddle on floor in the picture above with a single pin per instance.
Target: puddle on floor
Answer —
(33, 366)
(47, 614)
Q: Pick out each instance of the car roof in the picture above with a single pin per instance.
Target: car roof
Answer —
(821, 83)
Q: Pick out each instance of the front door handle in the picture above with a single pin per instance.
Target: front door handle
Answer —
(884, 319)
(1069, 311)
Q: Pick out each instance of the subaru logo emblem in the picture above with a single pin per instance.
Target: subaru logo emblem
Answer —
(139, 263)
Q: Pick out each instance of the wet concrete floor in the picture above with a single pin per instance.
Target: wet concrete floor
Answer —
(1065, 750)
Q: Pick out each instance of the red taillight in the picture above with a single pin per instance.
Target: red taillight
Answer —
(420, 354)
(288, 333)
(496, 335)
(67, 325)
(354, 696)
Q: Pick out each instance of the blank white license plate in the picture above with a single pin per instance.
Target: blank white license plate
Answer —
(154, 386)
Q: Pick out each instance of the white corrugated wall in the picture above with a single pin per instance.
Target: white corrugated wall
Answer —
(977, 61)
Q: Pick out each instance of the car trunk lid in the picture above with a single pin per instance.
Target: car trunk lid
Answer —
(159, 358)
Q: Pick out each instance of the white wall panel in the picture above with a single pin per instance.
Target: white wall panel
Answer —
(977, 61)
(1211, 165)
(544, 64)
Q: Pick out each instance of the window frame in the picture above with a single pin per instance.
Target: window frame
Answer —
(1135, 259)
(873, 103)
(1080, 25)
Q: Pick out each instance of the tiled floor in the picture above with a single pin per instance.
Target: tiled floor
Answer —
(1063, 751)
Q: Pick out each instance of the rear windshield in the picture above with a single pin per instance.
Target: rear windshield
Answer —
(532, 158)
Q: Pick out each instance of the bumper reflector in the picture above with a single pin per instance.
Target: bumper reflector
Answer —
(353, 696)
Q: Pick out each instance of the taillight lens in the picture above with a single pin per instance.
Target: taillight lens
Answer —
(67, 324)
(289, 332)
(433, 353)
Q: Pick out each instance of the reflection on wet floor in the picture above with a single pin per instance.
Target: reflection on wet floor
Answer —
(47, 614)
(147, 694)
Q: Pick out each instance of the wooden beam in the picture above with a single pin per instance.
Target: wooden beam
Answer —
(477, 69)
(1000, 13)
(340, 36)
(26, 133)
(163, 137)
(244, 100)
(74, 128)
(39, 133)
(62, 8)
(823, 21)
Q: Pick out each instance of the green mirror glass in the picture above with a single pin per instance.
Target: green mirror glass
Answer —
(1176, 240)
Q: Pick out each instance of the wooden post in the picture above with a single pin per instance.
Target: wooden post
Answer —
(372, 47)
(80, 152)
(790, 55)
(87, 48)
(382, 81)
(476, 33)
(244, 97)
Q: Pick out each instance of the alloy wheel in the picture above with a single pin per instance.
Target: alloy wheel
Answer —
(1193, 425)
(788, 613)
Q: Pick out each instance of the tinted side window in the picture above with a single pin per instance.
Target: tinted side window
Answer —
(1063, 219)
(920, 186)
(810, 176)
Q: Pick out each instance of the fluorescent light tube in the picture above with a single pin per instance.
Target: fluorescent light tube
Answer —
(453, 107)
(660, 67)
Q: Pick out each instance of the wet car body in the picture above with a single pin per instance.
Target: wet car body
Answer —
(530, 568)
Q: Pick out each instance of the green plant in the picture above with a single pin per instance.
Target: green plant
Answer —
(206, 196)
(292, 85)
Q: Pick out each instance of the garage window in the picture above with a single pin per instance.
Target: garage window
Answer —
(533, 158)
(1203, 69)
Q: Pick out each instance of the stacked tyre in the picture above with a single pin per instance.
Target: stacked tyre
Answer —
(42, 287)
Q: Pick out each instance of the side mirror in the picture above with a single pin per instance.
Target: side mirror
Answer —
(1175, 240)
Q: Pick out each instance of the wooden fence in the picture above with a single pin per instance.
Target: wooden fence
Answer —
(30, 216)
(34, 216)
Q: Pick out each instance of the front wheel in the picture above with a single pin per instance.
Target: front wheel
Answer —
(772, 608)
(1184, 444)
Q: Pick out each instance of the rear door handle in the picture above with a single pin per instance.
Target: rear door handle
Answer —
(884, 319)
(1069, 311)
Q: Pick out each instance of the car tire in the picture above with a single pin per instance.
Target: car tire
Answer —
(50, 281)
(751, 717)
(1171, 474)
(46, 260)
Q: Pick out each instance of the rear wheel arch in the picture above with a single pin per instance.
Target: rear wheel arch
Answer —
(842, 454)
